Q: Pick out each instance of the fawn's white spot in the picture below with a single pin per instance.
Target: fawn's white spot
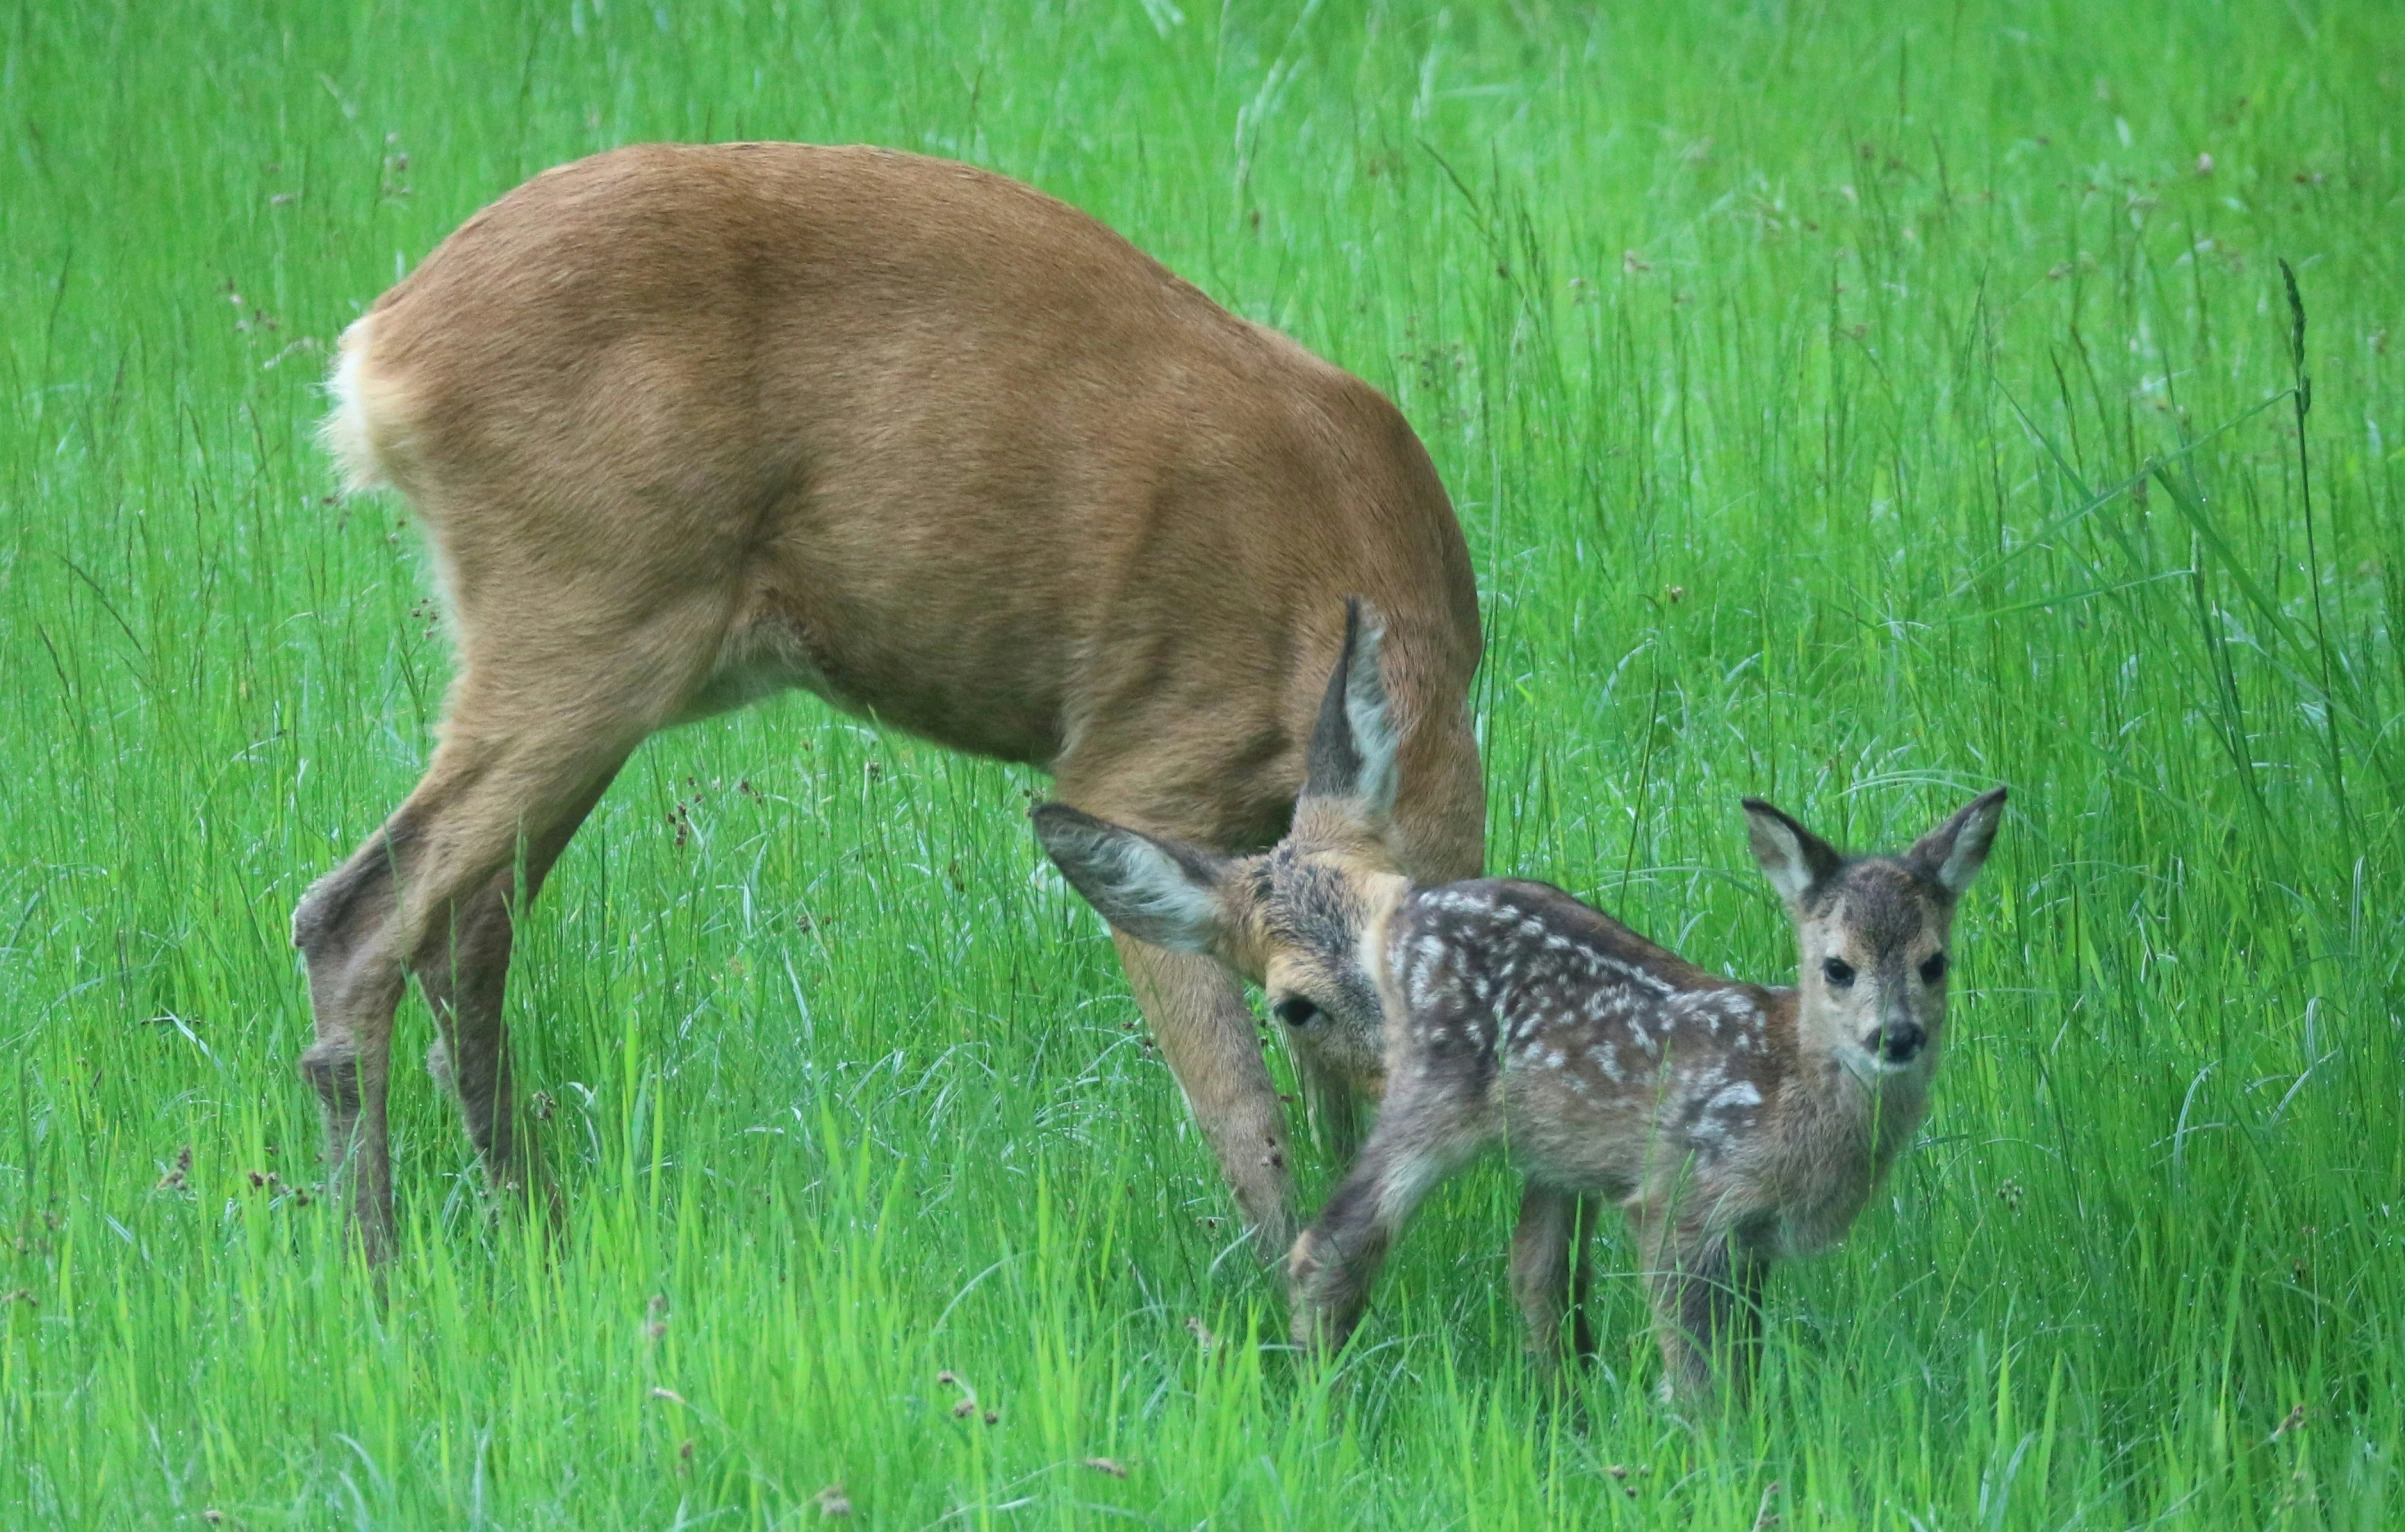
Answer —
(1454, 901)
(1741, 1094)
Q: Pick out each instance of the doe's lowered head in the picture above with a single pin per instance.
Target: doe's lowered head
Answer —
(1874, 933)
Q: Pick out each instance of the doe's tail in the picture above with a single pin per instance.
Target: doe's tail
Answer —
(351, 429)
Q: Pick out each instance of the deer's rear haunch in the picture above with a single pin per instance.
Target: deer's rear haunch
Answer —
(685, 426)
(1733, 1124)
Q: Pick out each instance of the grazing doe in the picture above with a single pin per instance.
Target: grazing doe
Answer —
(690, 425)
(1734, 1124)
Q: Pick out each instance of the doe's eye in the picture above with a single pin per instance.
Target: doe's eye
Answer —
(1296, 1011)
(1838, 972)
(1934, 969)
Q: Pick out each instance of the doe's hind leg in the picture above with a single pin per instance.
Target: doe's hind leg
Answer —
(339, 926)
(534, 731)
(464, 981)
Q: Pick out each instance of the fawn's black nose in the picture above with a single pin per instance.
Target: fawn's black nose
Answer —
(1900, 1042)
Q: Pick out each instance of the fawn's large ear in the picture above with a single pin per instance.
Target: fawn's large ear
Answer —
(1160, 891)
(1353, 747)
(1794, 859)
(1953, 853)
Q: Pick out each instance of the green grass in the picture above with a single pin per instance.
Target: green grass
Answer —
(1857, 412)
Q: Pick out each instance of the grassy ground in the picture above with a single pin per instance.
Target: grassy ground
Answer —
(1858, 413)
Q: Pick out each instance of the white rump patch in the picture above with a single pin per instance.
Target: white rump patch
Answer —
(348, 432)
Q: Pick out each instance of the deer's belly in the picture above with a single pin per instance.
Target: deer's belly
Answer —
(993, 702)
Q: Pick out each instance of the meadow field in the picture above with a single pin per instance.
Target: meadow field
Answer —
(1855, 406)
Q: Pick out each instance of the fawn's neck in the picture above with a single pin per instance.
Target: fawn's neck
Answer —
(1840, 1123)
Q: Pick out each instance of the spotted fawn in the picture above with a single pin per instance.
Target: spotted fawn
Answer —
(1734, 1124)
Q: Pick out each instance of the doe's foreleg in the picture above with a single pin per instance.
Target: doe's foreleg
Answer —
(1207, 1034)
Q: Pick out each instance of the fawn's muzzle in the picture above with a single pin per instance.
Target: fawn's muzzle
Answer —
(1900, 1042)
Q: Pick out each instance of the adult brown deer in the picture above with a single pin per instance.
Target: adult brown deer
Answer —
(1733, 1124)
(686, 426)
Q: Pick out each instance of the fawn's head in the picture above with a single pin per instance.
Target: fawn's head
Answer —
(1293, 919)
(1873, 933)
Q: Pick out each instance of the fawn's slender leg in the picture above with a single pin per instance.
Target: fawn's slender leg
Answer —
(1426, 1129)
(1706, 1303)
(1549, 1272)
(463, 981)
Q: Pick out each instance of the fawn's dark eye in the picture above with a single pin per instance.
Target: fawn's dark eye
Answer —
(1838, 972)
(1934, 969)
(1296, 1011)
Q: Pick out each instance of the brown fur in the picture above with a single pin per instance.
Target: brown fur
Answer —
(689, 425)
(1732, 1124)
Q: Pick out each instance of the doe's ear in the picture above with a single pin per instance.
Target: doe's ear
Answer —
(1160, 891)
(1794, 859)
(1353, 747)
(1953, 853)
